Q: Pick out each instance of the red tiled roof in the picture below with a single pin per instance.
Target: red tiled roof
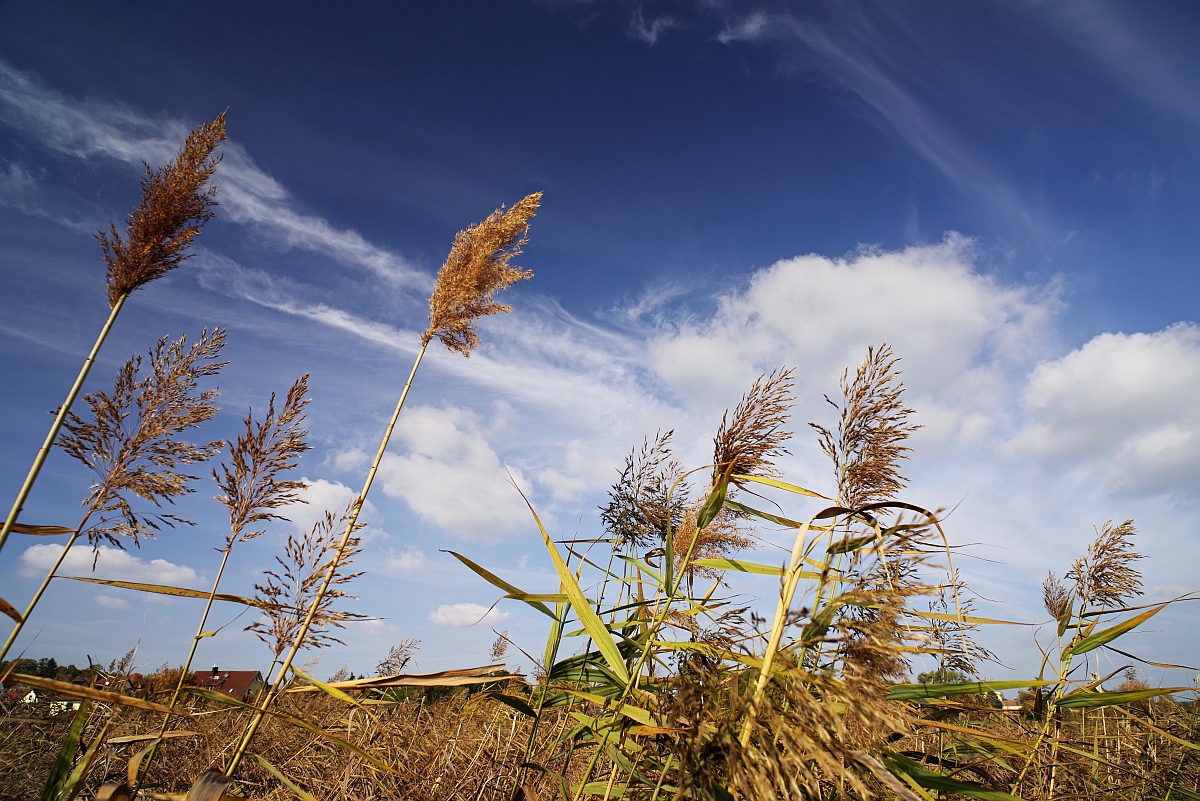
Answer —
(233, 683)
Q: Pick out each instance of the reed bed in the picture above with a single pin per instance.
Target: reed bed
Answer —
(658, 680)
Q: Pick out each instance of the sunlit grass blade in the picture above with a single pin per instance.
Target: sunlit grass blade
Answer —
(61, 769)
(491, 578)
(1094, 641)
(936, 781)
(178, 592)
(91, 694)
(296, 789)
(8, 609)
(582, 606)
(917, 692)
(1090, 700)
(795, 489)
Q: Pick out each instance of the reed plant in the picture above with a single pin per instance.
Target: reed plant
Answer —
(177, 200)
(477, 267)
(133, 443)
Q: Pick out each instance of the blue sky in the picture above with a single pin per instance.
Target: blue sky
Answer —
(1006, 192)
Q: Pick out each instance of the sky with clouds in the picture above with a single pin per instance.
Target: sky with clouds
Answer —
(1007, 193)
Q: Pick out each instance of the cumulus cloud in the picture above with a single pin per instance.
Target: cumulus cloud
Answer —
(958, 331)
(450, 475)
(112, 563)
(109, 602)
(1128, 401)
(466, 615)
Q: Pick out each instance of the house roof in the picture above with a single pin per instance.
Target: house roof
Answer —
(234, 683)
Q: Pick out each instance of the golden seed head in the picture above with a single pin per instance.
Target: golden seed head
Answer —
(477, 268)
(177, 200)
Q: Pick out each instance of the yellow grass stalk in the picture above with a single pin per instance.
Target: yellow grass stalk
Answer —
(177, 200)
(477, 267)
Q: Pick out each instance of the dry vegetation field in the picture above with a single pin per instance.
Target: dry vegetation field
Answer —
(656, 681)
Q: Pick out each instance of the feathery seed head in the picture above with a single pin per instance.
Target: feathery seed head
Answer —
(1105, 576)
(872, 427)
(749, 443)
(477, 268)
(261, 453)
(177, 200)
(132, 441)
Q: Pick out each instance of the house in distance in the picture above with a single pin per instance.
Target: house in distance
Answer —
(240, 684)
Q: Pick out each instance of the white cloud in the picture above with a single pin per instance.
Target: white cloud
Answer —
(321, 496)
(1128, 401)
(450, 475)
(410, 561)
(112, 563)
(466, 615)
(109, 602)
(248, 195)
(957, 330)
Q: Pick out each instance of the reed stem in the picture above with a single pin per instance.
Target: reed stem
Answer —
(38, 595)
(188, 664)
(260, 711)
(59, 419)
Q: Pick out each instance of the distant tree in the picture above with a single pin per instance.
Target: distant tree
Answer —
(47, 668)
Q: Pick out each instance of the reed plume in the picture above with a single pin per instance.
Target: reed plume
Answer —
(398, 657)
(1105, 576)
(177, 201)
(475, 270)
(872, 428)
(649, 500)
(751, 441)
(133, 444)
(292, 587)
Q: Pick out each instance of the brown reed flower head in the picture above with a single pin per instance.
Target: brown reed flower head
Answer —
(398, 658)
(872, 427)
(749, 443)
(645, 503)
(260, 454)
(132, 440)
(1104, 576)
(724, 536)
(290, 589)
(476, 269)
(1055, 596)
(177, 200)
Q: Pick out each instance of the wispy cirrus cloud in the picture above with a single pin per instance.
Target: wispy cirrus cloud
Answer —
(249, 196)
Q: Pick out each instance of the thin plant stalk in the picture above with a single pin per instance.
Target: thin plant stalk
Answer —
(59, 419)
(37, 596)
(351, 524)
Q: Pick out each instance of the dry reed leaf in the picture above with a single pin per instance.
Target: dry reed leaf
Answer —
(476, 269)
(177, 200)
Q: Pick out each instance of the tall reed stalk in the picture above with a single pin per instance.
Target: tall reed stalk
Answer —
(250, 490)
(476, 268)
(177, 201)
